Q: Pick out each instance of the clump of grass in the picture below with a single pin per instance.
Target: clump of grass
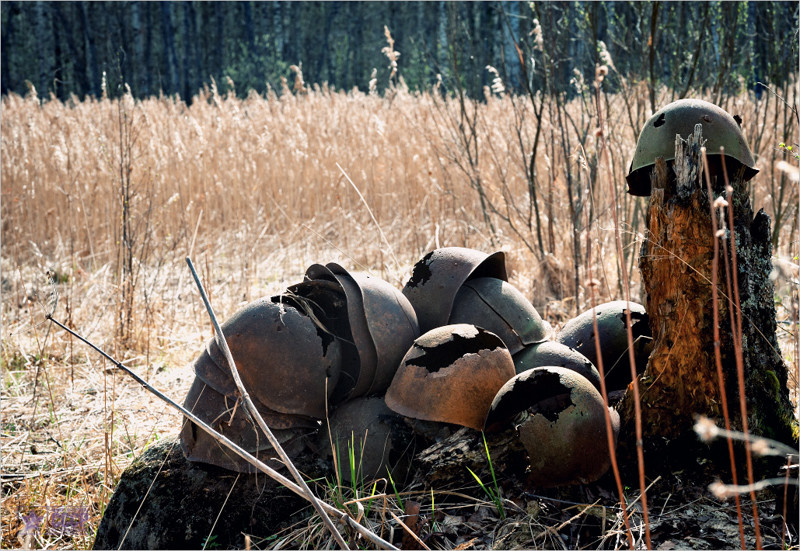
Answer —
(494, 491)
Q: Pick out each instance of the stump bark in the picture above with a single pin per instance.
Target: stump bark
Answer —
(681, 381)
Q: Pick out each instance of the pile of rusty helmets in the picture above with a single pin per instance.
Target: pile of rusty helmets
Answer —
(459, 345)
(487, 360)
(334, 337)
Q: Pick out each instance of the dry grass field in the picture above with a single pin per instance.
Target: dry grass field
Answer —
(102, 200)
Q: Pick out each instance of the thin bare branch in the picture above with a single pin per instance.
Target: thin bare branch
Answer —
(261, 466)
(253, 411)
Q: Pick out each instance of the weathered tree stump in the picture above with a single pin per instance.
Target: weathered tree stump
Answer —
(681, 379)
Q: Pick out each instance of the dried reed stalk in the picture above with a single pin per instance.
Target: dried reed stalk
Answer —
(626, 292)
(717, 352)
(604, 391)
(736, 313)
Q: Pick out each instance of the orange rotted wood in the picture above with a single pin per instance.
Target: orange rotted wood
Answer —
(681, 378)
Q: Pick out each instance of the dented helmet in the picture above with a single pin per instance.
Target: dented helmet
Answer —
(285, 360)
(579, 333)
(227, 415)
(555, 354)
(499, 307)
(657, 139)
(438, 276)
(381, 324)
(391, 322)
(451, 375)
(215, 391)
(560, 419)
(358, 372)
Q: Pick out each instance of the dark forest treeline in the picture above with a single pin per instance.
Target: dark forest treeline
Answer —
(67, 48)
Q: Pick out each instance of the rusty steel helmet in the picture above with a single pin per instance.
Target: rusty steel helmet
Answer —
(377, 435)
(285, 360)
(391, 322)
(578, 333)
(555, 354)
(230, 419)
(382, 326)
(357, 376)
(220, 383)
(438, 276)
(451, 375)
(560, 420)
(501, 308)
(657, 139)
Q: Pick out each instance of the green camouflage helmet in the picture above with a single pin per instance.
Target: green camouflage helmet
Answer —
(657, 139)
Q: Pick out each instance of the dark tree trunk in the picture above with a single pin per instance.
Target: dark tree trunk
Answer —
(59, 63)
(77, 77)
(148, 50)
(43, 38)
(135, 56)
(199, 77)
(220, 18)
(5, 41)
(170, 59)
(250, 32)
(91, 70)
(652, 55)
(188, 43)
(323, 71)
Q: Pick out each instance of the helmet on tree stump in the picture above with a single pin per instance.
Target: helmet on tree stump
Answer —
(657, 139)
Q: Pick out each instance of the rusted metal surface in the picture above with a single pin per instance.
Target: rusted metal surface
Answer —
(438, 276)
(228, 417)
(284, 360)
(206, 368)
(450, 375)
(555, 354)
(578, 333)
(392, 324)
(560, 419)
(501, 308)
(324, 298)
(657, 139)
(367, 354)
(376, 433)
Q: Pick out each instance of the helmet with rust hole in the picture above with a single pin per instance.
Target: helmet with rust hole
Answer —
(285, 360)
(438, 276)
(229, 418)
(359, 371)
(579, 333)
(555, 354)
(499, 307)
(657, 139)
(560, 420)
(451, 375)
